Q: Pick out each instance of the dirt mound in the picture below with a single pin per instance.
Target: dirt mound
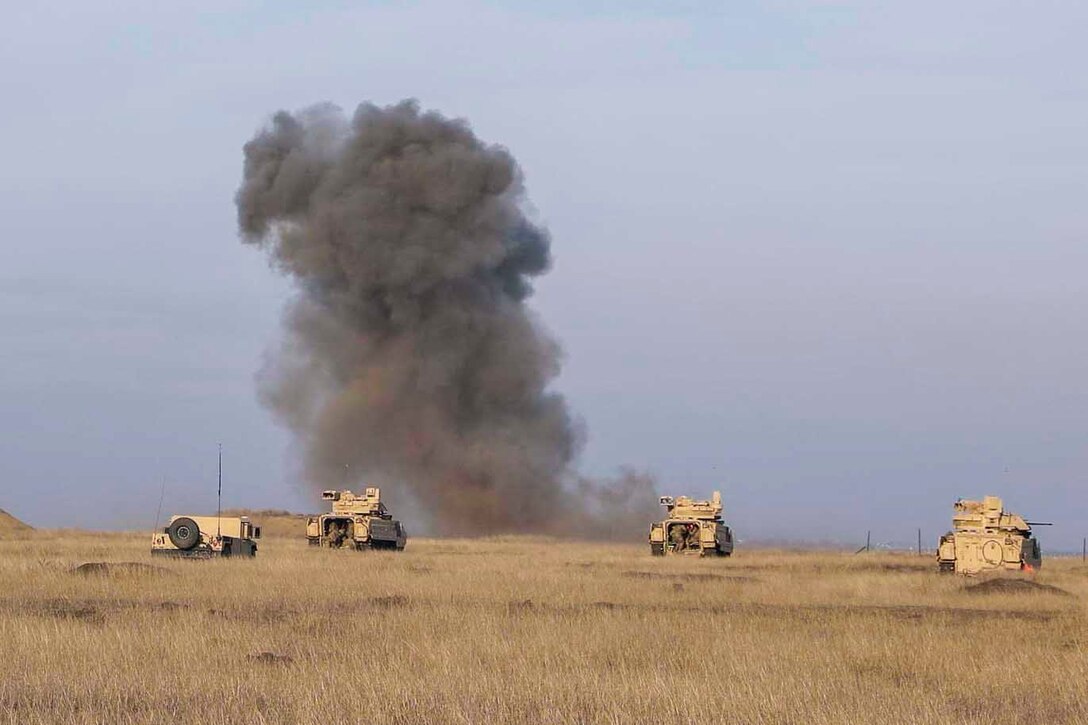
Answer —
(270, 658)
(390, 602)
(704, 577)
(111, 568)
(1014, 586)
(11, 525)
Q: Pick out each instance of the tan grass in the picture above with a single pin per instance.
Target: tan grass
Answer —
(526, 631)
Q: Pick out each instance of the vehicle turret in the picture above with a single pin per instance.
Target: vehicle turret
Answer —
(346, 502)
(683, 507)
(989, 514)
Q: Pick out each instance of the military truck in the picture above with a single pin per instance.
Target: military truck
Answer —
(987, 538)
(202, 537)
(356, 522)
(691, 527)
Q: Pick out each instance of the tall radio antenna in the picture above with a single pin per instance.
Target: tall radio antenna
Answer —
(219, 497)
(158, 511)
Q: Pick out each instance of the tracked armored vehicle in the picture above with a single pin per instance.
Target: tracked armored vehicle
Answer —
(986, 538)
(203, 537)
(356, 522)
(691, 527)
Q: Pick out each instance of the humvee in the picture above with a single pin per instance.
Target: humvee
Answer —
(986, 538)
(691, 527)
(202, 537)
(356, 522)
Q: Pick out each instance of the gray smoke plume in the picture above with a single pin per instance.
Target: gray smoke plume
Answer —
(410, 356)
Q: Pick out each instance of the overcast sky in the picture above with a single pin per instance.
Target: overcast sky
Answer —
(829, 257)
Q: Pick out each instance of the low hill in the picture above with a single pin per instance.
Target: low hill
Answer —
(274, 522)
(11, 526)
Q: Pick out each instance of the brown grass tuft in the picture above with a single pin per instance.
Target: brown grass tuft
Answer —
(270, 658)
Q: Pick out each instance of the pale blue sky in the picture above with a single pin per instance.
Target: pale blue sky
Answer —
(830, 255)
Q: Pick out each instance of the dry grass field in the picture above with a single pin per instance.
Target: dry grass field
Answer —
(518, 630)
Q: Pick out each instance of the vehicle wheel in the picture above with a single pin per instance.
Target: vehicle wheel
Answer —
(657, 549)
(184, 533)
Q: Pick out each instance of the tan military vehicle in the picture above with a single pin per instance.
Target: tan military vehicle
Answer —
(691, 527)
(986, 538)
(356, 522)
(202, 537)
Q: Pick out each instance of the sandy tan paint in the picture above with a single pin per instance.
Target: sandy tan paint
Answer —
(985, 538)
(202, 537)
(691, 527)
(356, 522)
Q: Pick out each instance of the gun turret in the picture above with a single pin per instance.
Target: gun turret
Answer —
(685, 507)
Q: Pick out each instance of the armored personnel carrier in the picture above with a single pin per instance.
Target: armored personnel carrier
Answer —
(691, 527)
(986, 538)
(202, 537)
(356, 522)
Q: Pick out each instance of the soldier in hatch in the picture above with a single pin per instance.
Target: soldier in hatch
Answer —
(693, 536)
(678, 537)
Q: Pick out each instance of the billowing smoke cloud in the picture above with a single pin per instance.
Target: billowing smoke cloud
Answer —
(410, 356)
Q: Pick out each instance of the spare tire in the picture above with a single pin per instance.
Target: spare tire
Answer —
(184, 533)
